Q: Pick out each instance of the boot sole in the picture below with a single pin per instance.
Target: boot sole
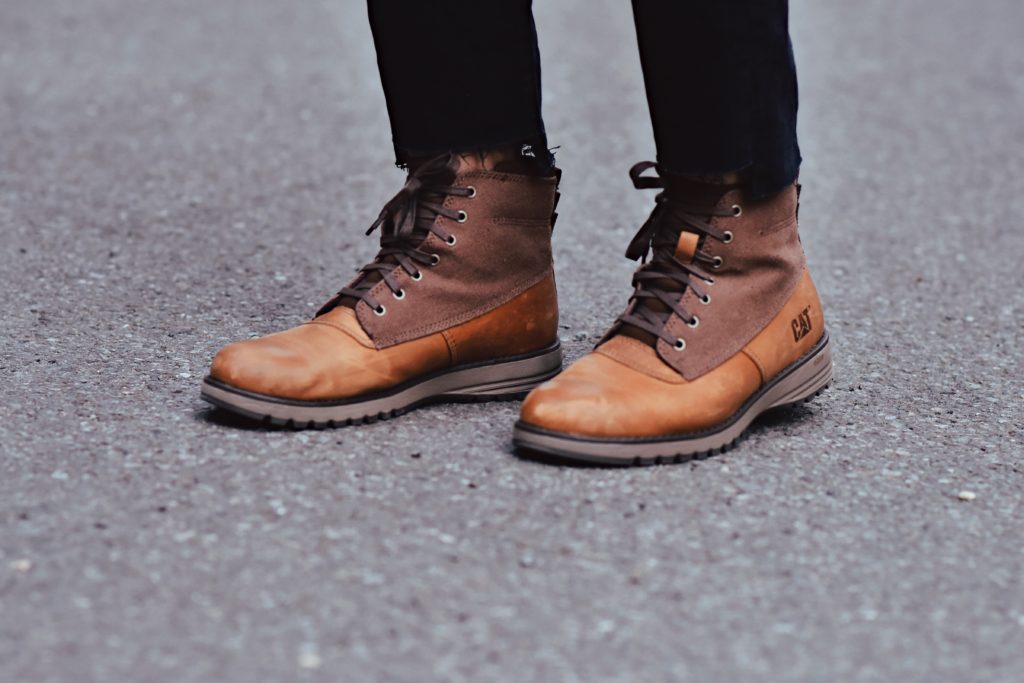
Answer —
(799, 382)
(500, 379)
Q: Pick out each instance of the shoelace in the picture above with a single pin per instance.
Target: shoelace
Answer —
(654, 280)
(406, 221)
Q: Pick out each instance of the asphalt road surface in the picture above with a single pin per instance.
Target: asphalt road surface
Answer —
(175, 175)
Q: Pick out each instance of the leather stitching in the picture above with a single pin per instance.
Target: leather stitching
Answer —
(348, 333)
(752, 355)
(452, 346)
(780, 225)
(632, 363)
(528, 222)
(507, 177)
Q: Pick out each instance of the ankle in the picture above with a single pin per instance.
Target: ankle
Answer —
(515, 158)
(701, 189)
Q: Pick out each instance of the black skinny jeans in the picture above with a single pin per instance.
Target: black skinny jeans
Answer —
(464, 75)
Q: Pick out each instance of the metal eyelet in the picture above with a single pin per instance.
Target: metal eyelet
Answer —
(680, 344)
(717, 262)
(417, 276)
(434, 259)
(727, 237)
(737, 210)
(472, 191)
(380, 310)
(705, 299)
(451, 241)
(463, 216)
(400, 294)
(694, 322)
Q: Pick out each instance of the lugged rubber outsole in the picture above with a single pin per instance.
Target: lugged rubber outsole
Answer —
(498, 380)
(800, 382)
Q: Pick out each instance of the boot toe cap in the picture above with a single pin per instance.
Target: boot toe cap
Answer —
(585, 400)
(602, 397)
(259, 366)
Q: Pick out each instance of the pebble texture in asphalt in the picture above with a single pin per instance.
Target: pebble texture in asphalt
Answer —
(177, 175)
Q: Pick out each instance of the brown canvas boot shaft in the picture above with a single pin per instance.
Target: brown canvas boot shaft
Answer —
(727, 266)
(754, 271)
(497, 246)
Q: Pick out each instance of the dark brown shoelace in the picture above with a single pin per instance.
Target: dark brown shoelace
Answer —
(405, 222)
(660, 283)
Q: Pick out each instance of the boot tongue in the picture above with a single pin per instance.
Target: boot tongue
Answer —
(681, 191)
(370, 279)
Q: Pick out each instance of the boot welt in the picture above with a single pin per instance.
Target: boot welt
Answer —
(500, 379)
(800, 381)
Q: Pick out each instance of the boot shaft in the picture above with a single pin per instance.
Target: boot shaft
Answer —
(500, 246)
(755, 271)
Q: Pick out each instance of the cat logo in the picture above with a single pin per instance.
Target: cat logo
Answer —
(801, 324)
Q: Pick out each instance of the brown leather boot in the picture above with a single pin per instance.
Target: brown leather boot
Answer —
(458, 304)
(724, 323)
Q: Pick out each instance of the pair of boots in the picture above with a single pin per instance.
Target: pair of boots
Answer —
(723, 324)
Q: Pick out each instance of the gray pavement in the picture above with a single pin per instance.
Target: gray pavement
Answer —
(178, 174)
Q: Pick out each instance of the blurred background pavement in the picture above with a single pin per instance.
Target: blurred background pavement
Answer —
(175, 175)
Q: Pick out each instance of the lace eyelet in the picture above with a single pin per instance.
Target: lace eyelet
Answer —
(737, 210)
(434, 259)
(717, 262)
(694, 322)
(472, 191)
(463, 216)
(380, 310)
(451, 241)
(400, 294)
(705, 299)
(680, 344)
(417, 276)
(727, 237)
